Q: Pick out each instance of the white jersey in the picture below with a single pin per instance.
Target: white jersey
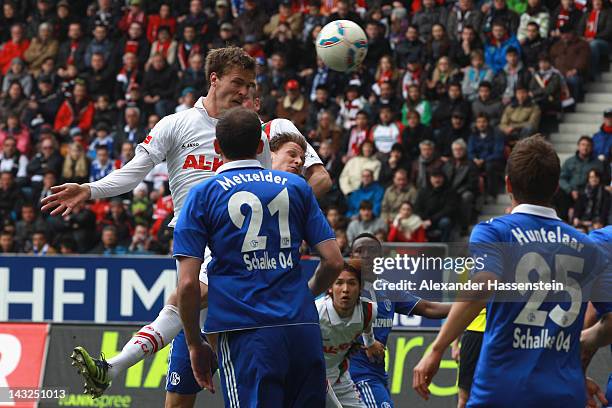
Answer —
(277, 126)
(339, 335)
(185, 140)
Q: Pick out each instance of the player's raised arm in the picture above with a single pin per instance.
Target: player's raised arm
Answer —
(318, 178)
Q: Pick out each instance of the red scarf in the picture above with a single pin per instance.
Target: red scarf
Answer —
(562, 18)
(162, 48)
(131, 46)
(607, 129)
(590, 31)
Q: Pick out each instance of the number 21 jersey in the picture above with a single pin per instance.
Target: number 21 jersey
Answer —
(530, 355)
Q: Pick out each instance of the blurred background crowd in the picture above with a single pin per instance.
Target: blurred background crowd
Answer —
(415, 140)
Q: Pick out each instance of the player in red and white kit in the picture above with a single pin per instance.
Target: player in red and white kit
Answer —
(185, 141)
(344, 317)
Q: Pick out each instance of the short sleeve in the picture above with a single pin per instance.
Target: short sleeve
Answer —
(406, 306)
(311, 157)
(159, 140)
(190, 234)
(486, 246)
(286, 126)
(317, 227)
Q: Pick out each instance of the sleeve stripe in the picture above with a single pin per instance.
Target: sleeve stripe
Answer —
(188, 256)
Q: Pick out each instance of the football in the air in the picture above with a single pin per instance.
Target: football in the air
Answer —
(342, 45)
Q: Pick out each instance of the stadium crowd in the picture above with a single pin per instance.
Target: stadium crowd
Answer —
(415, 140)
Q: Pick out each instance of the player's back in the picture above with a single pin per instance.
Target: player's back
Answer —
(531, 349)
(257, 219)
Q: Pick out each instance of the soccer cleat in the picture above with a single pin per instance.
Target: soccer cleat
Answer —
(93, 370)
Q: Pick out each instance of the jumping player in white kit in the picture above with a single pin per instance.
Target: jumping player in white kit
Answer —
(344, 317)
(185, 141)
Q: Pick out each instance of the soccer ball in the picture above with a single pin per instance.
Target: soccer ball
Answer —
(342, 45)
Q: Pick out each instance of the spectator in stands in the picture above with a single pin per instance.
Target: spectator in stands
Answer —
(321, 102)
(105, 113)
(410, 48)
(453, 101)
(99, 76)
(132, 14)
(99, 44)
(164, 45)
(426, 163)
(8, 245)
(40, 246)
(596, 27)
(534, 45)
(72, 50)
(14, 102)
(369, 190)
(486, 103)
(396, 160)
(43, 105)
(141, 207)
(571, 56)
(386, 132)
(513, 75)
(132, 131)
(593, 202)
(438, 45)
(486, 151)
(294, 106)
(378, 45)
(430, 14)
(49, 180)
(462, 176)
(75, 112)
(251, 21)
(537, 13)
(565, 13)
(435, 205)
(335, 218)
(108, 244)
(416, 75)
(365, 222)
(344, 11)
(350, 178)
(602, 140)
(350, 106)
(545, 86)
(413, 134)
(14, 48)
(102, 165)
(47, 158)
(521, 118)
(42, 47)
(13, 128)
(415, 102)
(14, 161)
(356, 136)
(498, 45)
(396, 194)
(26, 226)
(18, 73)
(574, 174)
(406, 226)
(284, 15)
(474, 74)
(141, 241)
(313, 78)
(158, 95)
(67, 246)
(312, 19)
(499, 11)
(136, 43)
(128, 78)
(76, 165)
(461, 14)
(121, 220)
(163, 18)
(10, 196)
(193, 75)
(458, 128)
(462, 49)
(326, 130)
(331, 159)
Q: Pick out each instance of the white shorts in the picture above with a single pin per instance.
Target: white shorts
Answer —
(203, 273)
(343, 393)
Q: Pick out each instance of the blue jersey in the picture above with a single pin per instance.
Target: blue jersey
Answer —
(361, 368)
(530, 354)
(253, 221)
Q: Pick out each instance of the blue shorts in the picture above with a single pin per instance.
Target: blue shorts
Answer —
(273, 367)
(609, 391)
(179, 378)
(374, 393)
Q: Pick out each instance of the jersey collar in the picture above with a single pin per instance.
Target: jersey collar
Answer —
(239, 164)
(538, 210)
(333, 315)
(199, 105)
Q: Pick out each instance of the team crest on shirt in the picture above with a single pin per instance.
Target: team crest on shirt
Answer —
(175, 378)
(387, 303)
(385, 405)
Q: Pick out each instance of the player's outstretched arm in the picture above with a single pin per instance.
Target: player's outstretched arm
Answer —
(67, 196)
(460, 316)
(329, 268)
(432, 310)
(319, 179)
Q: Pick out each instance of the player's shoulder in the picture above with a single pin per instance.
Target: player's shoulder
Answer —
(602, 234)
(321, 305)
(493, 230)
(179, 120)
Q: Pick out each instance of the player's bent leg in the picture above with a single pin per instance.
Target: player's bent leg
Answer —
(175, 400)
(471, 342)
(347, 393)
(374, 394)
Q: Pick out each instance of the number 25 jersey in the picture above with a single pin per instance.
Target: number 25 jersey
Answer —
(530, 355)
(254, 221)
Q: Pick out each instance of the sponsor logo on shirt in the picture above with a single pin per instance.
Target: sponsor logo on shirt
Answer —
(202, 162)
(148, 139)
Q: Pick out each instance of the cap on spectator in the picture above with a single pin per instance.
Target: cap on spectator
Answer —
(75, 132)
(352, 87)
(227, 27)
(250, 39)
(221, 3)
(365, 205)
(17, 60)
(355, 81)
(63, 3)
(292, 84)
(286, 3)
(608, 113)
(101, 126)
(134, 2)
(187, 90)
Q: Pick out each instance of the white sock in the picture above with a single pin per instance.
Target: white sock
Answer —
(148, 340)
